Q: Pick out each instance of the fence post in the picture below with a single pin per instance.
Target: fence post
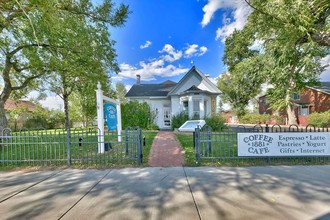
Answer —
(68, 133)
(140, 155)
(267, 128)
(197, 144)
(209, 136)
(126, 141)
(267, 131)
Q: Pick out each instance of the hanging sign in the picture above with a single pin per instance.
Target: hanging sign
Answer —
(110, 113)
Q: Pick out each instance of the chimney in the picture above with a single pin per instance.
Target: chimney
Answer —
(138, 77)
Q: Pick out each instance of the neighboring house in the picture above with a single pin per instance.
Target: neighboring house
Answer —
(194, 94)
(18, 120)
(312, 99)
(12, 104)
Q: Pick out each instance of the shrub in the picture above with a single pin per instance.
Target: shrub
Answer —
(216, 122)
(135, 114)
(260, 118)
(153, 127)
(319, 119)
(179, 119)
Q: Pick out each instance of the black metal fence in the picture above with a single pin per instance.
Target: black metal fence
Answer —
(79, 147)
(221, 146)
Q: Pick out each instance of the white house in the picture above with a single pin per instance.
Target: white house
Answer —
(194, 94)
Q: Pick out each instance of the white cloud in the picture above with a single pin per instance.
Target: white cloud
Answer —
(161, 66)
(202, 50)
(194, 50)
(209, 9)
(191, 50)
(325, 76)
(240, 13)
(146, 44)
(148, 71)
(171, 54)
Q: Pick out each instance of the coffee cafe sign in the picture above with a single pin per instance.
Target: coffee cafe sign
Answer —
(284, 144)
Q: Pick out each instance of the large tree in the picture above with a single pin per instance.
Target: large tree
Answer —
(246, 72)
(293, 37)
(34, 34)
(310, 20)
(121, 92)
(89, 60)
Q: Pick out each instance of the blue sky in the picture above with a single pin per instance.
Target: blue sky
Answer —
(162, 38)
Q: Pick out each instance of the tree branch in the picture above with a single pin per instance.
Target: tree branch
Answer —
(25, 83)
(17, 69)
(264, 13)
(19, 48)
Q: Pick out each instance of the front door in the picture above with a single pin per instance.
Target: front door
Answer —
(167, 117)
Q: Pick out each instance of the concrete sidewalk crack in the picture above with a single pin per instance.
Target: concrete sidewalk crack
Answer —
(23, 190)
(192, 194)
(84, 195)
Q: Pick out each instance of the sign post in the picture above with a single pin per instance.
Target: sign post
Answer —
(114, 111)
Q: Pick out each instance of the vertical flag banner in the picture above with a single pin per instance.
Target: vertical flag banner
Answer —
(110, 113)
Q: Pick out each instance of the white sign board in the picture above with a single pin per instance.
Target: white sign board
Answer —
(284, 144)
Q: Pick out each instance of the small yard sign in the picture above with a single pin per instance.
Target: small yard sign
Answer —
(111, 116)
(284, 144)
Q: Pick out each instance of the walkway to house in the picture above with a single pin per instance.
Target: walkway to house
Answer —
(166, 151)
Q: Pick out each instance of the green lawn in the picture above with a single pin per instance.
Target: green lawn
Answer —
(49, 148)
(149, 137)
(223, 152)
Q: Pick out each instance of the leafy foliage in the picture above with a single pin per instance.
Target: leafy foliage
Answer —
(293, 37)
(66, 39)
(121, 92)
(247, 71)
(135, 114)
(179, 119)
(260, 119)
(216, 122)
(319, 119)
(40, 117)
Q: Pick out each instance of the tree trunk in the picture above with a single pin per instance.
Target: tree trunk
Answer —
(292, 118)
(3, 119)
(67, 126)
(66, 111)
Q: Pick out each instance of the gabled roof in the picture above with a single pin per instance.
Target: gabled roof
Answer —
(169, 87)
(161, 89)
(193, 88)
(212, 89)
(169, 82)
(324, 87)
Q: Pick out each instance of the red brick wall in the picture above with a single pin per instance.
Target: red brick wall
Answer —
(320, 101)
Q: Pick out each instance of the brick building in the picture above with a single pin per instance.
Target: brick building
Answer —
(312, 99)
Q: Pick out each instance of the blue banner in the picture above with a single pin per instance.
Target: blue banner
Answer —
(110, 113)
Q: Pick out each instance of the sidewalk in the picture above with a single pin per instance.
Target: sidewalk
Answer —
(166, 151)
(227, 193)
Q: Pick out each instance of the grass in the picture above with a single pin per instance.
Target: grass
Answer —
(187, 143)
(149, 137)
(224, 153)
(49, 148)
